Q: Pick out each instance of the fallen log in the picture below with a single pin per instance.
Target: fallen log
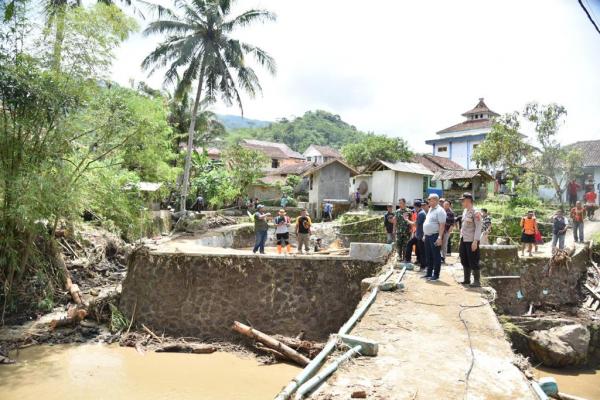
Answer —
(271, 342)
(74, 317)
(276, 355)
(194, 348)
(306, 347)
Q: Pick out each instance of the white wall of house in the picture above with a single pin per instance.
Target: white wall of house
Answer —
(388, 186)
(383, 187)
(355, 183)
(408, 186)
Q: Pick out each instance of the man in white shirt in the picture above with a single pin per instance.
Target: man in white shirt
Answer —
(433, 229)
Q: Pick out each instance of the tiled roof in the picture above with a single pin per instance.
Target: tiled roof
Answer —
(469, 125)
(447, 175)
(314, 169)
(436, 163)
(291, 169)
(400, 166)
(481, 107)
(327, 151)
(271, 149)
(590, 149)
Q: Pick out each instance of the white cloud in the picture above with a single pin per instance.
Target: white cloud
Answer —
(410, 68)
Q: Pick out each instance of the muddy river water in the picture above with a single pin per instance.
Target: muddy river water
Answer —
(582, 383)
(95, 371)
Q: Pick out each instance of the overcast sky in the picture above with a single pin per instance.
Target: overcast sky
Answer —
(410, 68)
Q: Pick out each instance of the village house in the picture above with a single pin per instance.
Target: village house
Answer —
(590, 150)
(451, 180)
(320, 154)
(329, 182)
(278, 153)
(268, 188)
(393, 180)
(459, 141)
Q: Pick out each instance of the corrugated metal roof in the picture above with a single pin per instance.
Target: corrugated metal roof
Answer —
(448, 175)
(401, 166)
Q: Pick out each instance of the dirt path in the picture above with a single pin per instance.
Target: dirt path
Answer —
(424, 350)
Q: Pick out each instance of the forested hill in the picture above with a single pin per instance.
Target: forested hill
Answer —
(233, 122)
(314, 127)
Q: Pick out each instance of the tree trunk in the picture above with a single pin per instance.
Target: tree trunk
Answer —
(271, 342)
(59, 37)
(190, 145)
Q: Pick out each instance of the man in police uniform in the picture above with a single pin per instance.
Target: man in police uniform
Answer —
(470, 236)
(402, 228)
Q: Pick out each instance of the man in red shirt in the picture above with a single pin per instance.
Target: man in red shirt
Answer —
(577, 216)
(590, 203)
(572, 189)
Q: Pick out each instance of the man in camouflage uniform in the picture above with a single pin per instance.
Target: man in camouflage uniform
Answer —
(470, 236)
(402, 228)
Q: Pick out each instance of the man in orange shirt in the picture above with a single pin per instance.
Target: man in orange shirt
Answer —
(577, 216)
(528, 229)
(590, 203)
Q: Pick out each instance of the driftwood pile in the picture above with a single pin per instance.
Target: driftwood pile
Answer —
(281, 348)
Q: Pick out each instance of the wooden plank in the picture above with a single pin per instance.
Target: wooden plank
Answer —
(588, 302)
(592, 292)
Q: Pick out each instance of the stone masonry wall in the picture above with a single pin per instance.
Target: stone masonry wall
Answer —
(561, 286)
(201, 295)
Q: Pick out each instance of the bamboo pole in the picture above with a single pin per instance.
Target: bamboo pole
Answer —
(271, 342)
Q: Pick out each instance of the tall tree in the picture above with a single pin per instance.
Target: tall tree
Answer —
(554, 161)
(200, 42)
(504, 147)
(376, 147)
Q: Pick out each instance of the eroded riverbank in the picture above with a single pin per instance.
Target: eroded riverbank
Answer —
(96, 371)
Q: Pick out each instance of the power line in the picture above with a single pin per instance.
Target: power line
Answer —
(589, 16)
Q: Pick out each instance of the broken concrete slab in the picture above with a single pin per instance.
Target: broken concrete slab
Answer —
(377, 252)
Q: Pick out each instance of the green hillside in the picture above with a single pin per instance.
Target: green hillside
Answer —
(314, 127)
(234, 122)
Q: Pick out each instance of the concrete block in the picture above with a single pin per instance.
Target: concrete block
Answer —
(369, 347)
(370, 251)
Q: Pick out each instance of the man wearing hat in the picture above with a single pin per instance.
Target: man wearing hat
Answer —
(470, 236)
(261, 227)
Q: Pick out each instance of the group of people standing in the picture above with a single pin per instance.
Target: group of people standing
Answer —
(282, 222)
(427, 228)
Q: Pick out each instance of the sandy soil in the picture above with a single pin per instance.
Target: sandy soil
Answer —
(424, 350)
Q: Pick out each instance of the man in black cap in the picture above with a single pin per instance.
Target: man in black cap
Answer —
(470, 236)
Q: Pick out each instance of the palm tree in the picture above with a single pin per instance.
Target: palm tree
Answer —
(200, 42)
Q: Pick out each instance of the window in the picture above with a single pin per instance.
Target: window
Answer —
(274, 163)
(308, 158)
(310, 183)
(442, 149)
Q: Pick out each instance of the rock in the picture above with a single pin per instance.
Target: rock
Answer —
(561, 346)
(359, 394)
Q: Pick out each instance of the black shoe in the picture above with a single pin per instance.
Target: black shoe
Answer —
(465, 283)
(426, 276)
(475, 284)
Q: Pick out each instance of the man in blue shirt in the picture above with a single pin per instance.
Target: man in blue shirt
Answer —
(417, 236)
